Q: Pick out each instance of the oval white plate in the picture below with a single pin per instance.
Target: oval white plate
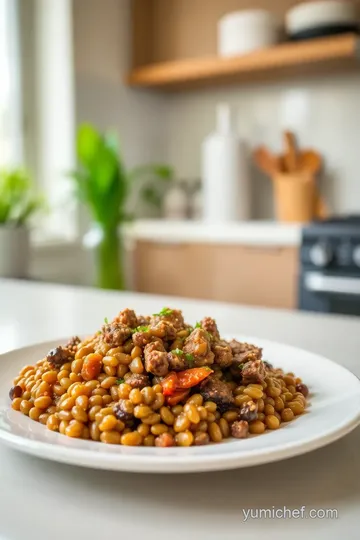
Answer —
(334, 412)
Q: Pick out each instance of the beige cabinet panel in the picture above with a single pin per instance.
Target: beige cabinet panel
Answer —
(264, 276)
(175, 269)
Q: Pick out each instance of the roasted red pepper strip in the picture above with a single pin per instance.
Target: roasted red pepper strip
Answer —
(169, 384)
(178, 396)
(192, 377)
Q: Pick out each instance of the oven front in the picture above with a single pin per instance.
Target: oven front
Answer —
(329, 292)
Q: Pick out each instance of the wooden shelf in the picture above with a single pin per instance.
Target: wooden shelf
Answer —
(287, 59)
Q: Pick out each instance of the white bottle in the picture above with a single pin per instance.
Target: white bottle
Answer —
(225, 174)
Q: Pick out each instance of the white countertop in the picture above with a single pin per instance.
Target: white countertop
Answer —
(43, 500)
(247, 232)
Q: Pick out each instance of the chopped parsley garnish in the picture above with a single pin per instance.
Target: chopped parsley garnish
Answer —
(198, 325)
(164, 312)
(141, 329)
(106, 320)
(178, 352)
(120, 381)
(190, 358)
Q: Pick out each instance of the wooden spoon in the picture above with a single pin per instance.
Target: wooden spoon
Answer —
(310, 160)
(291, 155)
(266, 161)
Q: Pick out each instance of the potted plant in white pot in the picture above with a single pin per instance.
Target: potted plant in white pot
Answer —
(18, 203)
(104, 185)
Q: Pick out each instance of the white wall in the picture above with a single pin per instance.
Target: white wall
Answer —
(324, 113)
(102, 53)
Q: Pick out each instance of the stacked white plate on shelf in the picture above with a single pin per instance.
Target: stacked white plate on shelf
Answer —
(321, 18)
(244, 31)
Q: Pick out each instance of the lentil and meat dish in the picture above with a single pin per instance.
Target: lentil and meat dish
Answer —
(157, 381)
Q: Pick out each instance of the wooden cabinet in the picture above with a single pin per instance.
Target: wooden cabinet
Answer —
(254, 275)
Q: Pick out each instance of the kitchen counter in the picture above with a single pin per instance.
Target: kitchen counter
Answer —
(42, 500)
(245, 233)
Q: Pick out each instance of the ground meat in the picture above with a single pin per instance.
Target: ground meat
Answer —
(178, 362)
(223, 354)
(248, 412)
(138, 381)
(115, 334)
(198, 345)
(58, 356)
(72, 345)
(242, 352)
(212, 389)
(142, 338)
(156, 360)
(164, 330)
(210, 326)
(174, 317)
(253, 371)
(127, 317)
(240, 429)
(143, 320)
(124, 411)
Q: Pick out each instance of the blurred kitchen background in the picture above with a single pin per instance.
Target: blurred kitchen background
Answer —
(219, 139)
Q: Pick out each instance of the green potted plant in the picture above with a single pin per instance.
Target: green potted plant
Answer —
(104, 185)
(18, 203)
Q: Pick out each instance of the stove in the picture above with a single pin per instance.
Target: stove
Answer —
(330, 266)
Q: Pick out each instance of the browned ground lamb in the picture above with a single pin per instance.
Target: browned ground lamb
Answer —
(72, 344)
(242, 352)
(142, 338)
(253, 371)
(178, 361)
(127, 317)
(124, 411)
(138, 380)
(212, 389)
(156, 360)
(210, 326)
(199, 347)
(172, 316)
(58, 356)
(115, 334)
(164, 330)
(143, 320)
(223, 353)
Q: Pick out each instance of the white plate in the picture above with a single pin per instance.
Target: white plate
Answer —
(334, 412)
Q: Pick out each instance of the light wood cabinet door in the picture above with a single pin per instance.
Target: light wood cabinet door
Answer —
(173, 269)
(263, 276)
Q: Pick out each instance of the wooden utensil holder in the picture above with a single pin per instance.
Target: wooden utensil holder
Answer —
(295, 196)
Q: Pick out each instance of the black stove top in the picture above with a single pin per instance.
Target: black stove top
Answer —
(339, 220)
(333, 243)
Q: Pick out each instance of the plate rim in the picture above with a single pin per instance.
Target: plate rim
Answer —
(177, 464)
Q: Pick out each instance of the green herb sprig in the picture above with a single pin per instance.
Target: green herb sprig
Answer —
(164, 312)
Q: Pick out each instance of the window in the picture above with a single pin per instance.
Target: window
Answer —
(37, 83)
(11, 139)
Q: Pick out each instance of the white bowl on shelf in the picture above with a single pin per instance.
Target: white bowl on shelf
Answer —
(244, 31)
(320, 14)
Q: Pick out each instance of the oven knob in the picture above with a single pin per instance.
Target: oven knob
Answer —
(356, 255)
(320, 255)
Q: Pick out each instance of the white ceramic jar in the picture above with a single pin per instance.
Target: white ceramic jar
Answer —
(244, 31)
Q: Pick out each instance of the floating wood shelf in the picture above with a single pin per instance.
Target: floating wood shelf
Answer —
(287, 59)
